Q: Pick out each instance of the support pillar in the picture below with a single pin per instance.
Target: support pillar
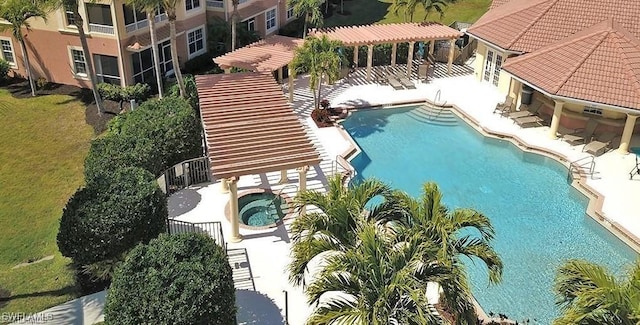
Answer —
(233, 205)
(355, 56)
(432, 46)
(302, 186)
(369, 61)
(227, 70)
(290, 85)
(555, 121)
(280, 73)
(629, 125)
(394, 50)
(452, 46)
(283, 177)
(410, 59)
(224, 186)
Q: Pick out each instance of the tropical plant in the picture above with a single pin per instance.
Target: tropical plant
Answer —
(331, 227)
(310, 10)
(5, 67)
(321, 59)
(589, 294)
(88, 58)
(408, 7)
(175, 279)
(380, 281)
(458, 233)
(170, 8)
(17, 13)
(150, 7)
(191, 95)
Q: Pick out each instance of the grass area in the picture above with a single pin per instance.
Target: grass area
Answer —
(43, 143)
(368, 12)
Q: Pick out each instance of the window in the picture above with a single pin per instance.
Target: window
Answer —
(99, 14)
(107, 69)
(164, 52)
(7, 51)
(79, 64)
(132, 16)
(270, 17)
(143, 67)
(592, 111)
(192, 4)
(251, 24)
(290, 14)
(195, 42)
(69, 16)
(496, 69)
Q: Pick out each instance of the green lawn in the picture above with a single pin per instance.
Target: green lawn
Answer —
(43, 142)
(376, 11)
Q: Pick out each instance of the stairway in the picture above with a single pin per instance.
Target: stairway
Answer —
(434, 115)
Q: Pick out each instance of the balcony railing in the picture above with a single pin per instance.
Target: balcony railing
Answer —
(161, 17)
(144, 23)
(215, 4)
(104, 29)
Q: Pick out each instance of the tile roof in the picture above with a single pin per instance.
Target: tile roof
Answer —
(599, 64)
(388, 33)
(263, 56)
(250, 127)
(497, 3)
(526, 25)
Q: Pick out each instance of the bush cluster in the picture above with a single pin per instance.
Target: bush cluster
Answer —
(191, 95)
(138, 92)
(5, 67)
(175, 279)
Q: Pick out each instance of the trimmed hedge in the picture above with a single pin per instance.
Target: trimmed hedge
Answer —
(175, 279)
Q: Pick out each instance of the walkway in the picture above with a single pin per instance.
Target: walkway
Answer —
(85, 310)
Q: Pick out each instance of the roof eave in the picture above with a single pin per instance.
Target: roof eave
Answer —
(494, 45)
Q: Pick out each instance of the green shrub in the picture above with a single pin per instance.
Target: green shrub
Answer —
(199, 64)
(110, 91)
(191, 95)
(293, 28)
(106, 219)
(175, 279)
(5, 67)
(139, 92)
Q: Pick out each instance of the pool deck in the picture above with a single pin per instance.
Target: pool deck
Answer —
(259, 261)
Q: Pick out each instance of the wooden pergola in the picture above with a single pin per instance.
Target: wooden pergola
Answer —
(250, 129)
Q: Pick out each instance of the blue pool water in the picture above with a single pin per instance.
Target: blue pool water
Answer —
(539, 218)
(261, 209)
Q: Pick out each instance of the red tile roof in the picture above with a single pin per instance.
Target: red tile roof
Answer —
(497, 3)
(265, 55)
(388, 33)
(600, 64)
(526, 25)
(250, 127)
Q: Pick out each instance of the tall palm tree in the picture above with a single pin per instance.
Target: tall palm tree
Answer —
(408, 7)
(88, 58)
(310, 9)
(379, 281)
(17, 13)
(170, 8)
(234, 24)
(150, 7)
(320, 58)
(589, 294)
(428, 217)
(331, 228)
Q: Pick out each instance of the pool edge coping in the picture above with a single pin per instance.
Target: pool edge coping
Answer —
(290, 214)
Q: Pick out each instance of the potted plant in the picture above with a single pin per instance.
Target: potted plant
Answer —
(324, 103)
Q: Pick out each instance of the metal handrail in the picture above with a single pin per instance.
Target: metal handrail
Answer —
(342, 162)
(635, 170)
(578, 164)
(277, 193)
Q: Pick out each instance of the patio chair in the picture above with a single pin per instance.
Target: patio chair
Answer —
(580, 136)
(529, 121)
(602, 144)
(525, 110)
(395, 83)
(405, 81)
(505, 106)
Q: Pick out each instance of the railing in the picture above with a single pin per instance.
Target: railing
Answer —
(104, 29)
(466, 52)
(161, 17)
(348, 172)
(213, 229)
(635, 170)
(278, 192)
(581, 165)
(215, 4)
(137, 25)
(189, 172)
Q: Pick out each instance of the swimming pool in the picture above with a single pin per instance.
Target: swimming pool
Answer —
(539, 218)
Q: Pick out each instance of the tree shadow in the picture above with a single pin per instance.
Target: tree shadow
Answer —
(5, 295)
(362, 12)
(183, 201)
(257, 308)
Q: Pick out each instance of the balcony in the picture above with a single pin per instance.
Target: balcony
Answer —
(103, 29)
(215, 4)
(144, 23)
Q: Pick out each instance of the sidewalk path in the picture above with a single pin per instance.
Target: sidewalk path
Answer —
(86, 310)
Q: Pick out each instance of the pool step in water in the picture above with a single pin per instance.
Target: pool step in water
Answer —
(434, 115)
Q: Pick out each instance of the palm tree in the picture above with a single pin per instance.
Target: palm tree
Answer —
(310, 9)
(379, 281)
(589, 294)
(319, 57)
(332, 227)
(408, 7)
(234, 24)
(150, 7)
(170, 8)
(427, 217)
(17, 13)
(88, 58)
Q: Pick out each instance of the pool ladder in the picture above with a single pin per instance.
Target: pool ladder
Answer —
(585, 165)
(279, 192)
(348, 172)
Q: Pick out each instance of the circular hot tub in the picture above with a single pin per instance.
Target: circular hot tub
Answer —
(259, 209)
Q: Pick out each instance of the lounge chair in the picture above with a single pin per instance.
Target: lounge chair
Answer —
(601, 145)
(580, 136)
(395, 83)
(405, 81)
(504, 107)
(525, 110)
(528, 121)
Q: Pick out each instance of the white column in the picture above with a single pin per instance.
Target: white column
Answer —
(410, 59)
(302, 186)
(224, 186)
(452, 46)
(629, 125)
(432, 46)
(355, 56)
(369, 61)
(283, 177)
(394, 50)
(555, 121)
(227, 70)
(280, 75)
(233, 205)
(290, 85)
